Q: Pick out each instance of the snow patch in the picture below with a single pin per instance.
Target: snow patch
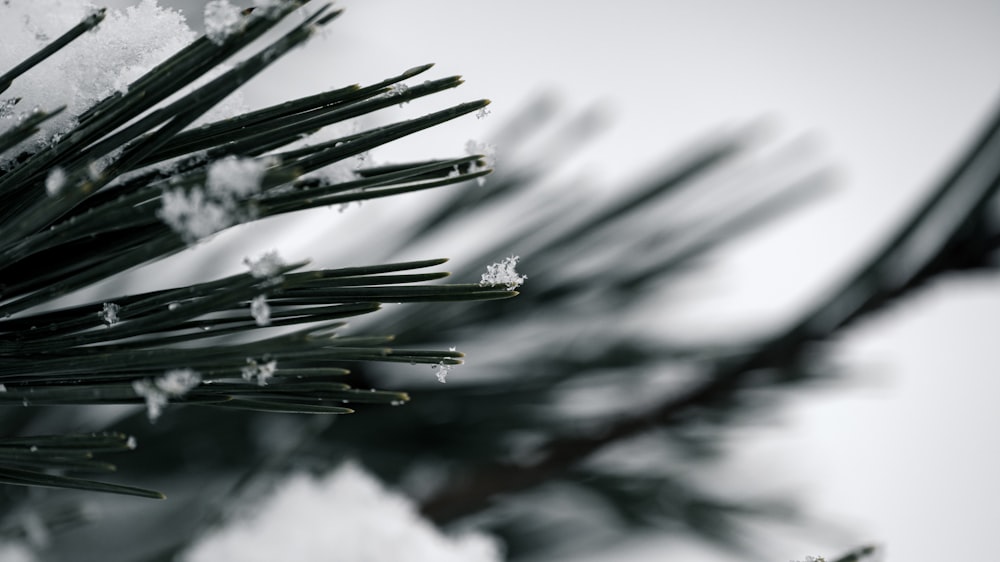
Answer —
(123, 47)
(346, 515)
(16, 552)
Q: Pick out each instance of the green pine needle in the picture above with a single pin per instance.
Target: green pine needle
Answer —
(92, 204)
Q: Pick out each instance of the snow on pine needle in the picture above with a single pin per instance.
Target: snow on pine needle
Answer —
(259, 372)
(503, 273)
(266, 265)
(488, 152)
(157, 392)
(202, 211)
(109, 313)
(222, 19)
(260, 310)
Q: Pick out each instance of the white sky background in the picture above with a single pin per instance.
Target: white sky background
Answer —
(889, 90)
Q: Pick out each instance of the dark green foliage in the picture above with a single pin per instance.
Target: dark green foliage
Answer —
(105, 219)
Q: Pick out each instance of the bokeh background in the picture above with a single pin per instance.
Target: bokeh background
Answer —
(903, 453)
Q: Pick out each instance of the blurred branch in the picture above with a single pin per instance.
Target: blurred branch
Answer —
(944, 234)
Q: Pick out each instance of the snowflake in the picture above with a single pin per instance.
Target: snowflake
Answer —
(397, 90)
(503, 273)
(261, 372)
(173, 383)
(109, 313)
(441, 371)
(267, 265)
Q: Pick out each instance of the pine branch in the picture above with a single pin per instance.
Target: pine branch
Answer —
(135, 181)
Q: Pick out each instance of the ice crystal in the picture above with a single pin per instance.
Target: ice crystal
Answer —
(260, 310)
(503, 273)
(157, 392)
(293, 524)
(482, 113)
(267, 265)
(109, 313)
(259, 372)
(222, 19)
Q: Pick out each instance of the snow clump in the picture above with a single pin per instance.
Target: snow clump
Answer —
(173, 383)
(305, 520)
(222, 19)
(200, 212)
(503, 273)
(261, 372)
(260, 310)
(109, 313)
(267, 265)
(489, 154)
